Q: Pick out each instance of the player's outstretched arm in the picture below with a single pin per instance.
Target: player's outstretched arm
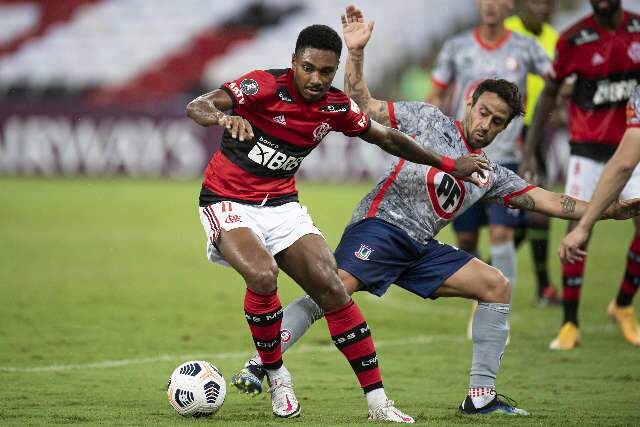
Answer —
(545, 105)
(613, 179)
(208, 110)
(562, 206)
(399, 144)
(356, 35)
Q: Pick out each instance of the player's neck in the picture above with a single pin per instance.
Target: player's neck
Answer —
(532, 24)
(490, 34)
(610, 23)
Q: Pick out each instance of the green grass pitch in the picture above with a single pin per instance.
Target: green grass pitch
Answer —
(105, 289)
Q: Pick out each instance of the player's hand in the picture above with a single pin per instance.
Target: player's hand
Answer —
(238, 127)
(471, 168)
(623, 209)
(529, 169)
(570, 249)
(355, 31)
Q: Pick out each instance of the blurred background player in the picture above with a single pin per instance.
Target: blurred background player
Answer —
(613, 181)
(490, 50)
(603, 52)
(534, 23)
(249, 202)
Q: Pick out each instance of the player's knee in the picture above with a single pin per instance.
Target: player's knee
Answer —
(500, 234)
(263, 280)
(331, 294)
(497, 288)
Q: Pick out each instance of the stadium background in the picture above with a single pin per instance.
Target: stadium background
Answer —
(103, 281)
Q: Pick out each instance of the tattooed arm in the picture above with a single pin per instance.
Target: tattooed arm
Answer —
(566, 207)
(356, 35)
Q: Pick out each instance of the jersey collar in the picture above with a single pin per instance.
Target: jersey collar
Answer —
(619, 29)
(464, 139)
(493, 46)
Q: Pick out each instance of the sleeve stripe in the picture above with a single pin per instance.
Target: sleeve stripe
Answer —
(510, 196)
(233, 97)
(439, 83)
(392, 115)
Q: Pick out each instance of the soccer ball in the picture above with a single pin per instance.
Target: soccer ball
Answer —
(196, 389)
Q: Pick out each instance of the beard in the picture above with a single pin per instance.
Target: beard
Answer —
(608, 12)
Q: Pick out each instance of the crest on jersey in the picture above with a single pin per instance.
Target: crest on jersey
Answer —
(285, 335)
(249, 87)
(446, 193)
(483, 181)
(364, 252)
(321, 131)
(634, 52)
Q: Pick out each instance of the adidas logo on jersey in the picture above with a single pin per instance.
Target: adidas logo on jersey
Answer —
(280, 119)
(597, 59)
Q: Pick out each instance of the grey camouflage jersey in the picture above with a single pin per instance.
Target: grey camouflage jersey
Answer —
(633, 108)
(421, 199)
(465, 61)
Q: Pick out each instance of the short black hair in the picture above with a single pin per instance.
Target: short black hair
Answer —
(319, 37)
(506, 90)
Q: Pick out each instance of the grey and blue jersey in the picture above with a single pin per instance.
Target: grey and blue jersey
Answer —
(421, 199)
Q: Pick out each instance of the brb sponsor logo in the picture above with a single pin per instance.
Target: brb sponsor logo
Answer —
(445, 192)
(611, 92)
(266, 154)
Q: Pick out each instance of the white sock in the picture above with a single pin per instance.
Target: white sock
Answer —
(376, 398)
(481, 396)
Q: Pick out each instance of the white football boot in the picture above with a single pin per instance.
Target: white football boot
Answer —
(283, 400)
(388, 412)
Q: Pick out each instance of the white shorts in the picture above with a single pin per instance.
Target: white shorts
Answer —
(277, 227)
(584, 173)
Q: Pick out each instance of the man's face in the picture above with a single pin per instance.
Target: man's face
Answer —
(605, 8)
(493, 12)
(313, 72)
(485, 119)
(541, 9)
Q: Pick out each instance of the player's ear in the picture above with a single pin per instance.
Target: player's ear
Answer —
(293, 60)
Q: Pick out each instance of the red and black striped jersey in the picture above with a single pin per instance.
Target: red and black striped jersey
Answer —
(286, 129)
(607, 68)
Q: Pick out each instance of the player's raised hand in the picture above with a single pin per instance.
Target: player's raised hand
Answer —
(238, 127)
(623, 209)
(471, 167)
(570, 249)
(355, 31)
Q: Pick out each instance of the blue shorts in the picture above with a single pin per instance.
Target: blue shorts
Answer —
(491, 213)
(380, 254)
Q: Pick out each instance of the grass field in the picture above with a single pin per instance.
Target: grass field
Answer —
(105, 289)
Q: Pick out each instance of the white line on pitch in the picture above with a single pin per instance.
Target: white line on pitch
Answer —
(420, 339)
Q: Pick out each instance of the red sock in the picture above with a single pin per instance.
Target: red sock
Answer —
(350, 333)
(571, 286)
(264, 315)
(631, 280)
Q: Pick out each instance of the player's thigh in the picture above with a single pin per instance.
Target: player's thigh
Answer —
(234, 238)
(476, 280)
(583, 174)
(311, 264)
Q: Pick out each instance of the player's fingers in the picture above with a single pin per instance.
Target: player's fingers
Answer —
(234, 128)
(343, 19)
(249, 129)
(472, 179)
(371, 25)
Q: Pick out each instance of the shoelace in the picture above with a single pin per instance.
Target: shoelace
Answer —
(509, 401)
